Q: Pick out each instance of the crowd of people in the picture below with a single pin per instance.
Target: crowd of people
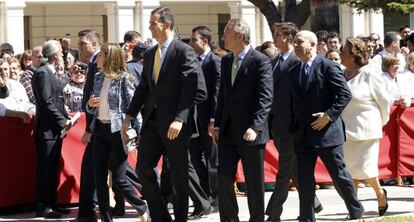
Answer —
(203, 109)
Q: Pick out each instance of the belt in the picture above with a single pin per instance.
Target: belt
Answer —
(104, 121)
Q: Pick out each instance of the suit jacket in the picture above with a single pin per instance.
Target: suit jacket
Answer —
(325, 91)
(51, 115)
(368, 110)
(4, 92)
(211, 70)
(87, 90)
(281, 112)
(247, 103)
(180, 86)
(119, 97)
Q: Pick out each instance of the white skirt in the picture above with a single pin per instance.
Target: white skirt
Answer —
(361, 158)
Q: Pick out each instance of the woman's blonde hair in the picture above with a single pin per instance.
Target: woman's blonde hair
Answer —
(114, 64)
(388, 61)
(410, 58)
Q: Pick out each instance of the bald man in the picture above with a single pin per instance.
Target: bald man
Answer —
(319, 94)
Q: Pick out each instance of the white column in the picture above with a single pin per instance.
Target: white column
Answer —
(267, 35)
(2, 21)
(351, 22)
(112, 22)
(138, 17)
(14, 24)
(125, 11)
(235, 9)
(412, 20)
(248, 13)
(376, 22)
(147, 7)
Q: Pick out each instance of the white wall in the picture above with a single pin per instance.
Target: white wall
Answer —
(55, 20)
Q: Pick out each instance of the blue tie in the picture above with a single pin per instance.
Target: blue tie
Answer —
(305, 75)
(278, 65)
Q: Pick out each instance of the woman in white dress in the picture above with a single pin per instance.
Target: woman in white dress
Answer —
(364, 117)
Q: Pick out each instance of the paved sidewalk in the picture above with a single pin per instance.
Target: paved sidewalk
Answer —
(401, 202)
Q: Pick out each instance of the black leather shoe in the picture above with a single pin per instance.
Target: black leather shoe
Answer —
(61, 210)
(273, 219)
(197, 214)
(382, 210)
(318, 208)
(355, 217)
(81, 219)
(117, 211)
(47, 212)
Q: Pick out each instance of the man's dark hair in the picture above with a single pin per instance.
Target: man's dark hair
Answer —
(389, 38)
(410, 38)
(6, 48)
(404, 27)
(204, 32)
(165, 15)
(91, 35)
(332, 35)
(137, 52)
(322, 35)
(286, 28)
(130, 35)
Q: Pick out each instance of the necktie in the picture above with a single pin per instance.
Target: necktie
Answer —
(200, 59)
(157, 64)
(234, 69)
(279, 63)
(305, 75)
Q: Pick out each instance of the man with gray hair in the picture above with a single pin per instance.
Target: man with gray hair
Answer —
(391, 47)
(51, 120)
(243, 106)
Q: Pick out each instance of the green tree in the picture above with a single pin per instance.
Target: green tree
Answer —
(402, 6)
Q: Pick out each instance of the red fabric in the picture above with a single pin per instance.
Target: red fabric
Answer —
(18, 158)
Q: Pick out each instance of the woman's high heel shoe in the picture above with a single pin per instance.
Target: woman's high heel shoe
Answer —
(382, 210)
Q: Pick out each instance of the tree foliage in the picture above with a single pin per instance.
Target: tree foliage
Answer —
(402, 6)
(296, 13)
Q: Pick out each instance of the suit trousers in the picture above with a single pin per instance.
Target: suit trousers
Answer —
(48, 160)
(333, 158)
(153, 144)
(132, 177)
(231, 150)
(87, 194)
(109, 145)
(287, 171)
(204, 157)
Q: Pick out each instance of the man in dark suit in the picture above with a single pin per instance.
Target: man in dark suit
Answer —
(201, 146)
(243, 106)
(286, 64)
(319, 93)
(172, 83)
(88, 45)
(51, 120)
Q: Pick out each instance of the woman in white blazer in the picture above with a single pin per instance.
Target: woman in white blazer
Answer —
(364, 117)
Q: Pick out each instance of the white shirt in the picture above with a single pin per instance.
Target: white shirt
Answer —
(398, 88)
(376, 62)
(17, 99)
(103, 110)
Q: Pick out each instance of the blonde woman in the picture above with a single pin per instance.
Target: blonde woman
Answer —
(112, 93)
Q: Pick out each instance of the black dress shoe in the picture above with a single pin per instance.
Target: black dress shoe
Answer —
(61, 210)
(355, 217)
(47, 212)
(273, 219)
(382, 210)
(117, 211)
(318, 208)
(197, 214)
(81, 219)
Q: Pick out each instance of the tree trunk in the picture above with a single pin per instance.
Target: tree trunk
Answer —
(297, 14)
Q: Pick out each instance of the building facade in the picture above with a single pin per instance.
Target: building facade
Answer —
(26, 23)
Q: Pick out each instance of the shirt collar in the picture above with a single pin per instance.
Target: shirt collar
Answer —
(93, 59)
(244, 52)
(204, 55)
(287, 54)
(51, 67)
(310, 61)
(167, 42)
